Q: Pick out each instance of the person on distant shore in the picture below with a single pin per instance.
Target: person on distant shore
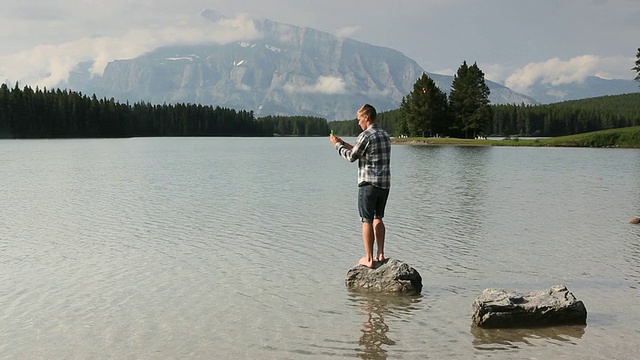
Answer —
(373, 152)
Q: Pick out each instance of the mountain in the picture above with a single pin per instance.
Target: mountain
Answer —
(289, 70)
(592, 86)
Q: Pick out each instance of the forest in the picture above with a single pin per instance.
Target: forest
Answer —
(41, 113)
(31, 114)
(558, 119)
(466, 112)
(566, 118)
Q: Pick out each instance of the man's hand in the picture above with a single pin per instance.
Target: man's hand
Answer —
(334, 139)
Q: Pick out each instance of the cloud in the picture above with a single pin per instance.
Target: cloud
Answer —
(558, 72)
(558, 94)
(324, 85)
(494, 72)
(447, 71)
(50, 65)
(44, 66)
(347, 31)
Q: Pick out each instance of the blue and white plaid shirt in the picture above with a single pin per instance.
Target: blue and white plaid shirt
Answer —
(373, 152)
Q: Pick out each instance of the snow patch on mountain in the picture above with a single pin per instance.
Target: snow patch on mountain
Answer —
(178, 58)
(273, 48)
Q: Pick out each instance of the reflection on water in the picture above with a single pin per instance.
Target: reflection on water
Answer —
(375, 308)
(443, 196)
(508, 339)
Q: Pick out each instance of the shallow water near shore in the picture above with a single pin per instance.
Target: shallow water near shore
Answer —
(226, 248)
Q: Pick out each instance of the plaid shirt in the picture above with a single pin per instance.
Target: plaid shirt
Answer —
(373, 152)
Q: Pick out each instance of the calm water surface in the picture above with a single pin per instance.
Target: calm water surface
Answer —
(168, 248)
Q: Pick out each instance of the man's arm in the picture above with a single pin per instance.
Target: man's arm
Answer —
(351, 152)
(347, 145)
(337, 140)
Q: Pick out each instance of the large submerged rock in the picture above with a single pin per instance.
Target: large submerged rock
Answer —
(498, 308)
(389, 276)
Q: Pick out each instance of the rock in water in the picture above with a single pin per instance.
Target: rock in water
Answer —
(635, 221)
(389, 276)
(498, 308)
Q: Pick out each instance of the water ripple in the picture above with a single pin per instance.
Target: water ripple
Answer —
(238, 248)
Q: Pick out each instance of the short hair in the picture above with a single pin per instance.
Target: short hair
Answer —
(367, 109)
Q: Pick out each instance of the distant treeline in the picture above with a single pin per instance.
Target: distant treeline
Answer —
(559, 119)
(295, 125)
(27, 113)
(567, 118)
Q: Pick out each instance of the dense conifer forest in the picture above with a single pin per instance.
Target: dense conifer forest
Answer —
(31, 114)
(559, 119)
(27, 113)
(566, 118)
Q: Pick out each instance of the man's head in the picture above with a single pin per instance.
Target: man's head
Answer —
(366, 116)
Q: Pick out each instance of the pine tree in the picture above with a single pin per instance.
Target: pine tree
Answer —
(424, 111)
(637, 67)
(5, 97)
(402, 129)
(469, 101)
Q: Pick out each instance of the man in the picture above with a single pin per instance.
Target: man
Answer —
(373, 152)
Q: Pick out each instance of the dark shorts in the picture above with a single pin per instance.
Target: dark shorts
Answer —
(371, 202)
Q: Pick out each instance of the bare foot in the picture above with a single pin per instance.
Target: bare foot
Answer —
(380, 257)
(363, 261)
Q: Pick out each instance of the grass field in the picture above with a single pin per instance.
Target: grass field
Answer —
(623, 138)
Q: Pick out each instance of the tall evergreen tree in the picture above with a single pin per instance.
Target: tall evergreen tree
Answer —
(424, 111)
(637, 67)
(469, 101)
(402, 129)
(5, 116)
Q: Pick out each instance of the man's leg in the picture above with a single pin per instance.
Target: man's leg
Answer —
(366, 208)
(367, 238)
(379, 232)
(379, 229)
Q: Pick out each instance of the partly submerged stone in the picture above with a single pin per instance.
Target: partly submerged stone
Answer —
(635, 220)
(389, 276)
(498, 308)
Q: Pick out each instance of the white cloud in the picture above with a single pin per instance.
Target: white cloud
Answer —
(447, 71)
(49, 65)
(494, 72)
(347, 31)
(378, 93)
(324, 85)
(44, 65)
(558, 72)
(558, 94)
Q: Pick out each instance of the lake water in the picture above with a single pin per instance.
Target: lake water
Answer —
(237, 248)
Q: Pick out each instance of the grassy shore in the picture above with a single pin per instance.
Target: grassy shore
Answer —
(623, 138)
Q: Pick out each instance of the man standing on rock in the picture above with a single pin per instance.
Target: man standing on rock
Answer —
(373, 152)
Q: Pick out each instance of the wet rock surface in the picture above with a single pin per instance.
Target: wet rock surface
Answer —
(500, 308)
(388, 276)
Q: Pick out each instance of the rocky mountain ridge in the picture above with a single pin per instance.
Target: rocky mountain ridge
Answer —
(288, 70)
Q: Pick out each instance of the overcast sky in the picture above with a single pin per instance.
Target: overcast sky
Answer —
(515, 42)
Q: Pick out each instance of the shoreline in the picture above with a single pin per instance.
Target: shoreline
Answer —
(628, 138)
(430, 143)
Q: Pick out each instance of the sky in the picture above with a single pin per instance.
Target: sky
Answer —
(514, 42)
